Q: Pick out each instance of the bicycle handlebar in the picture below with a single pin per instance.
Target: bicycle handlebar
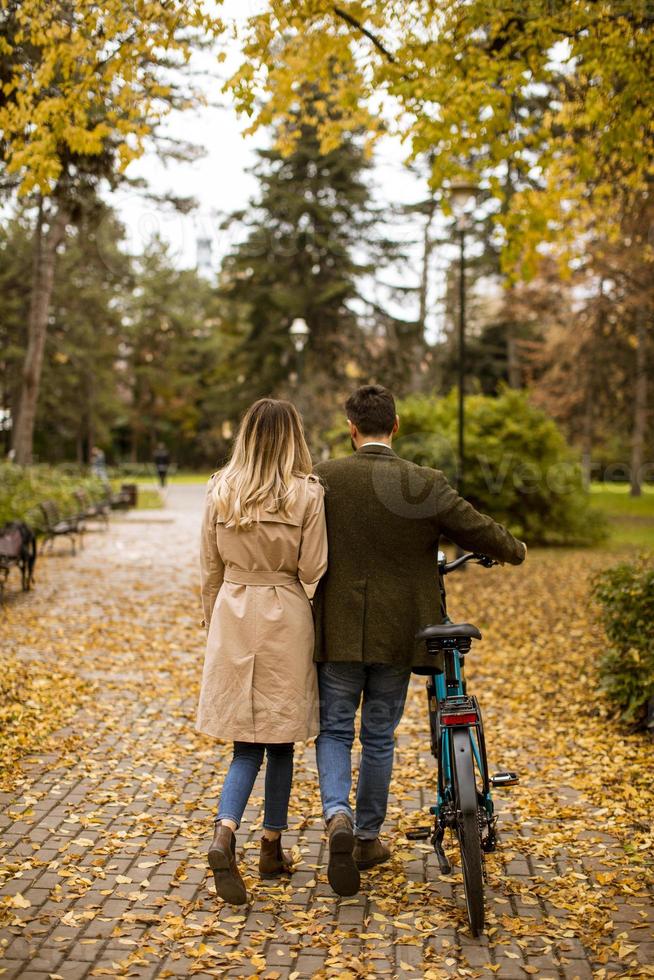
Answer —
(484, 560)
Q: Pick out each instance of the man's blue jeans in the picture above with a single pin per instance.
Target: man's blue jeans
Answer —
(342, 686)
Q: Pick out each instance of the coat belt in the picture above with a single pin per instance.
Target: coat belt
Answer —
(239, 576)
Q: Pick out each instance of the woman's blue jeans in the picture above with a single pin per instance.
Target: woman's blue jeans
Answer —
(245, 765)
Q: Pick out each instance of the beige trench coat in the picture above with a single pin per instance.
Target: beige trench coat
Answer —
(259, 680)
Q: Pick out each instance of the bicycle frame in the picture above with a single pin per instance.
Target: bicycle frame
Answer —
(464, 802)
(447, 690)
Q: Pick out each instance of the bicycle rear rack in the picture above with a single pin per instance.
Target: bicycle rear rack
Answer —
(460, 710)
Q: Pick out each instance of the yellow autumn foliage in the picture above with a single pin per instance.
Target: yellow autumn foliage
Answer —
(83, 78)
(547, 106)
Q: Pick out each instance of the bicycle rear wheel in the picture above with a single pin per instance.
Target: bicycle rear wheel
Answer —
(467, 827)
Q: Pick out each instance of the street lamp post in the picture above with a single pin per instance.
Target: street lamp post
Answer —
(462, 198)
(461, 371)
(299, 331)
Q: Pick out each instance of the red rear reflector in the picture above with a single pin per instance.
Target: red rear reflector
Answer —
(461, 719)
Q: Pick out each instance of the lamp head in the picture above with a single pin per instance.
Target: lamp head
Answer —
(463, 195)
(299, 331)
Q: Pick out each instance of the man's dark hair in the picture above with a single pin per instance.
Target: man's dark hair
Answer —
(372, 409)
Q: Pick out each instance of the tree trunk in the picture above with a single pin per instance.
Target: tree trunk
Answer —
(43, 269)
(134, 436)
(587, 437)
(5, 405)
(419, 346)
(593, 338)
(427, 249)
(512, 360)
(640, 407)
(89, 422)
(513, 371)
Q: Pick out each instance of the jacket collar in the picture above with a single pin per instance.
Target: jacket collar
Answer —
(376, 450)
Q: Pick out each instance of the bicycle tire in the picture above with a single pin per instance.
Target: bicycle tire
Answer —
(467, 827)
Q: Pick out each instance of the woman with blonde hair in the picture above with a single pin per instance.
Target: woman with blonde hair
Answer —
(263, 550)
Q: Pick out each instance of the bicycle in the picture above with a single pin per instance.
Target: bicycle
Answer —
(464, 802)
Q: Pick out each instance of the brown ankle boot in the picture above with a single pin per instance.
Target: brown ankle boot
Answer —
(342, 871)
(368, 853)
(273, 861)
(222, 861)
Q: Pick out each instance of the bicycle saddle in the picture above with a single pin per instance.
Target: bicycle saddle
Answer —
(449, 631)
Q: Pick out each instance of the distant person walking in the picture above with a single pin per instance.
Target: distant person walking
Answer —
(263, 549)
(99, 464)
(162, 463)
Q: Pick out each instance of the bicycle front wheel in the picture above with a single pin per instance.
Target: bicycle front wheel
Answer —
(467, 827)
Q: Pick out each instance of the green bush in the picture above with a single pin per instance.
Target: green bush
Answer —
(133, 470)
(23, 488)
(625, 594)
(518, 466)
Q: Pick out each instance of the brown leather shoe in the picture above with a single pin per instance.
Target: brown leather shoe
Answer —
(273, 861)
(368, 853)
(222, 861)
(342, 872)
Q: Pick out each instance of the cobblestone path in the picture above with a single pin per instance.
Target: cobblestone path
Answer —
(104, 835)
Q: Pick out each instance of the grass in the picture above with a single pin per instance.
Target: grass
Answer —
(149, 499)
(631, 519)
(176, 478)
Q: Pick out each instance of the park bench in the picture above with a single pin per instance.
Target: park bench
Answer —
(120, 500)
(90, 511)
(17, 548)
(56, 526)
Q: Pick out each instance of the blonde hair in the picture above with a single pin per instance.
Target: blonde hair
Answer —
(269, 459)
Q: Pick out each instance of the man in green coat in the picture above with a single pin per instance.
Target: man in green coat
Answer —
(385, 516)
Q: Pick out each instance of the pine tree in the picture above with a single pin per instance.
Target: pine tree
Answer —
(169, 344)
(79, 400)
(311, 237)
(15, 264)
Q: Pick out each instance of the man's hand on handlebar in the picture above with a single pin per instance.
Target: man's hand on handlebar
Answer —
(484, 560)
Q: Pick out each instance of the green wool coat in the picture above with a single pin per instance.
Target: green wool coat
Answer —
(385, 516)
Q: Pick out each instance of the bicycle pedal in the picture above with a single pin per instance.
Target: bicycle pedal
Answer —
(500, 779)
(419, 833)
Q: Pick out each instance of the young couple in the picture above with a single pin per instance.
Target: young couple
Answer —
(362, 534)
